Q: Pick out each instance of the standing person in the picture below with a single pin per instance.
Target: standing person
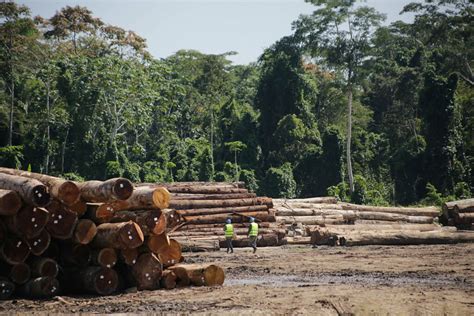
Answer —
(229, 234)
(253, 233)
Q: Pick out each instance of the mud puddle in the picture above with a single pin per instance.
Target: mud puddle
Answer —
(372, 279)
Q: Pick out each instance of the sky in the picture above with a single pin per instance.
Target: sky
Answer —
(210, 26)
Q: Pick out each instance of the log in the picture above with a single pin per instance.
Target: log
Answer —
(237, 184)
(39, 244)
(3, 232)
(105, 257)
(145, 198)
(206, 190)
(196, 204)
(168, 253)
(225, 196)
(450, 205)
(218, 231)
(43, 287)
(63, 190)
(10, 202)
(14, 250)
(199, 274)
(190, 245)
(104, 191)
(6, 288)
(220, 226)
(394, 217)
(75, 254)
(150, 221)
(300, 205)
(222, 210)
(464, 206)
(19, 273)
(463, 218)
(409, 238)
(299, 240)
(378, 227)
(168, 280)
(62, 221)
(324, 199)
(118, 235)
(129, 256)
(221, 218)
(44, 267)
(29, 221)
(314, 220)
(96, 280)
(84, 232)
(100, 213)
(269, 240)
(412, 211)
(80, 207)
(312, 212)
(31, 191)
(147, 272)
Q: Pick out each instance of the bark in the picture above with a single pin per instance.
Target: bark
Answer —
(150, 221)
(44, 267)
(105, 257)
(464, 206)
(378, 227)
(315, 220)
(147, 272)
(410, 238)
(39, 244)
(192, 245)
(236, 218)
(84, 232)
(28, 222)
(206, 190)
(10, 202)
(40, 288)
(236, 185)
(223, 210)
(269, 240)
(302, 205)
(118, 236)
(196, 204)
(312, 212)
(225, 196)
(450, 205)
(104, 191)
(394, 217)
(298, 240)
(199, 274)
(413, 211)
(32, 191)
(63, 190)
(144, 198)
(349, 139)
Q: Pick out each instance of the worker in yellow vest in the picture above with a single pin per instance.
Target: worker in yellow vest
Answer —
(229, 234)
(253, 233)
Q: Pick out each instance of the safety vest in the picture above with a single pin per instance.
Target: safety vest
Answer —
(229, 230)
(253, 229)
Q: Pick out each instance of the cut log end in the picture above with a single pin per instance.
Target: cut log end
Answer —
(10, 202)
(39, 244)
(14, 250)
(30, 221)
(131, 235)
(45, 267)
(85, 231)
(106, 281)
(161, 197)
(41, 196)
(6, 288)
(122, 189)
(106, 257)
(68, 193)
(147, 272)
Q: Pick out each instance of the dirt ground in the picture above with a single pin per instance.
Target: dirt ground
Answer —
(371, 280)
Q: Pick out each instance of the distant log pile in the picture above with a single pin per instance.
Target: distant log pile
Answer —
(198, 211)
(97, 237)
(324, 221)
(458, 213)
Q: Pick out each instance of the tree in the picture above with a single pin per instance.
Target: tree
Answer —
(338, 36)
(236, 147)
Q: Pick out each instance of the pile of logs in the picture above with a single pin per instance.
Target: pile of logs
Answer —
(458, 213)
(324, 221)
(198, 211)
(98, 237)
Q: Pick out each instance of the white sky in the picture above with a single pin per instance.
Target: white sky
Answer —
(210, 26)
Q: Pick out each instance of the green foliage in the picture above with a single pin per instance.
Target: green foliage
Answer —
(113, 169)
(73, 177)
(11, 156)
(279, 182)
(250, 180)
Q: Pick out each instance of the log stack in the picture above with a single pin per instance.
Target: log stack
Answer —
(198, 210)
(458, 213)
(325, 221)
(97, 237)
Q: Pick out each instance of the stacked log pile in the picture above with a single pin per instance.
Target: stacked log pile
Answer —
(98, 237)
(198, 211)
(324, 221)
(458, 213)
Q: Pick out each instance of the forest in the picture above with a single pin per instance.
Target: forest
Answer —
(346, 105)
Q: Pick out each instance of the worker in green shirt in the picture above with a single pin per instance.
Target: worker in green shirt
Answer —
(229, 234)
(253, 233)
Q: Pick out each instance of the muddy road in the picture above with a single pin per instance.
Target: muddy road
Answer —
(372, 280)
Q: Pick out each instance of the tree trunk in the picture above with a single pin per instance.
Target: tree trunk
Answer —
(30, 190)
(144, 198)
(147, 272)
(349, 138)
(105, 191)
(10, 202)
(118, 236)
(63, 190)
(199, 274)
(12, 108)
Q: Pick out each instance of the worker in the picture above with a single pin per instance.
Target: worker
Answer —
(253, 233)
(229, 234)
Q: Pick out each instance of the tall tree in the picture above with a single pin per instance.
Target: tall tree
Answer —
(338, 35)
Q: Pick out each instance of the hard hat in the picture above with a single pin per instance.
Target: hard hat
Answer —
(228, 221)
(251, 219)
